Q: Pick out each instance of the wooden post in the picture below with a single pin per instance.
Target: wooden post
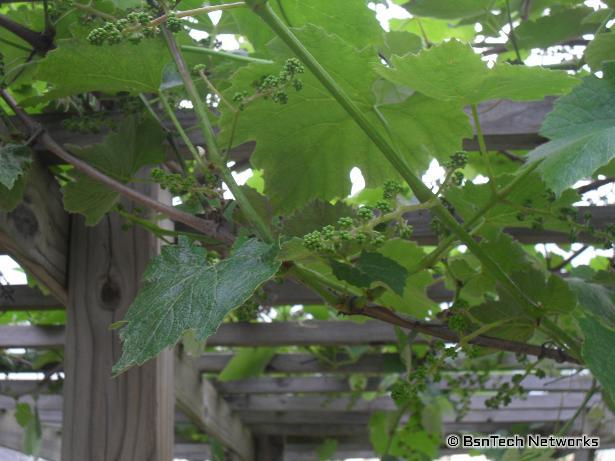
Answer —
(130, 417)
(269, 447)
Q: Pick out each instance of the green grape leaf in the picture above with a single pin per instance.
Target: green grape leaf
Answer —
(326, 449)
(595, 299)
(120, 156)
(600, 50)
(597, 352)
(325, 143)
(372, 267)
(414, 300)
(315, 215)
(445, 9)
(76, 66)
(181, 291)
(552, 29)
(351, 20)
(29, 420)
(435, 30)
(453, 72)
(581, 129)
(247, 362)
(14, 162)
(10, 198)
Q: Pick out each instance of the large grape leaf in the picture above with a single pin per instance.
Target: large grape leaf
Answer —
(597, 352)
(14, 161)
(596, 299)
(76, 66)
(372, 267)
(120, 156)
(600, 49)
(435, 30)
(351, 20)
(553, 29)
(181, 291)
(581, 128)
(453, 72)
(414, 300)
(307, 147)
(445, 9)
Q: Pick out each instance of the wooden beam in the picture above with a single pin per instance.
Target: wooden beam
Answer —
(333, 384)
(128, 417)
(31, 336)
(35, 233)
(317, 404)
(26, 298)
(270, 447)
(198, 399)
(478, 420)
(313, 332)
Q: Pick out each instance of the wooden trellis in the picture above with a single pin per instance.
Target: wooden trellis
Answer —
(94, 273)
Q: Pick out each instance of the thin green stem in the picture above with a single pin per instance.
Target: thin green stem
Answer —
(196, 12)
(586, 400)
(421, 191)
(512, 35)
(393, 427)
(225, 54)
(216, 158)
(180, 129)
(482, 146)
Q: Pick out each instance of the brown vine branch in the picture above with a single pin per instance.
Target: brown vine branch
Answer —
(569, 259)
(209, 228)
(443, 332)
(42, 42)
(594, 185)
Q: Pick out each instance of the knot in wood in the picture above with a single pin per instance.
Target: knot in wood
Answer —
(24, 220)
(110, 294)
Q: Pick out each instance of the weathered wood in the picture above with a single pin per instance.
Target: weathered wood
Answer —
(317, 404)
(333, 384)
(480, 420)
(35, 233)
(198, 399)
(128, 417)
(313, 332)
(25, 298)
(31, 336)
(269, 447)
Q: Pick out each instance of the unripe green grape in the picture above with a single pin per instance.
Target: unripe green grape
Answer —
(384, 206)
(365, 213)
(458, 323)
(313, 241)
(328, 232)
(391, 189)
(345, 222)
(297, 84)
(174, 24)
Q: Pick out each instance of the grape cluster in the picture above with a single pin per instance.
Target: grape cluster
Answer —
(368, 227)
(173, 182)
(332, 238)
(274, 86)
(134, 27)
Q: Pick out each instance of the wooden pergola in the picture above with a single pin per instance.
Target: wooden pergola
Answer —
(94, 273)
